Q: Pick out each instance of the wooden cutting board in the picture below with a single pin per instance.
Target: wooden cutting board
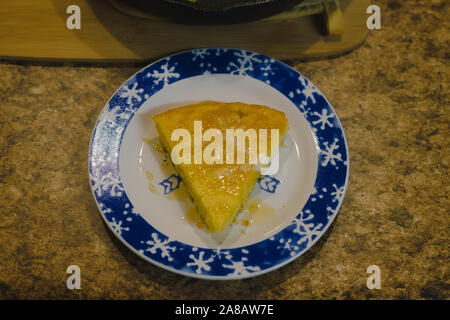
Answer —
(36, 29)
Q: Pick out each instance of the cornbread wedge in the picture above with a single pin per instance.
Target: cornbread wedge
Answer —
(218, 190)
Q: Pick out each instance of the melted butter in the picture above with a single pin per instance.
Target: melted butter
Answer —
(152, 188)
(254, 206)
(149, 175)
(255, 212)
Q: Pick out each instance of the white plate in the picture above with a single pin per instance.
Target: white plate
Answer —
(302, 198)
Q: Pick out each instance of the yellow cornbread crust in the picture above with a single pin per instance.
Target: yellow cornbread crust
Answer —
(218, 190)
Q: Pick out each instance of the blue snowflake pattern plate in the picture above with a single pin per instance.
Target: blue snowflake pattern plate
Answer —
(140, 196)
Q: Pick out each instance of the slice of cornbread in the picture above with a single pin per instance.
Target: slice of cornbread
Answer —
(219, 190)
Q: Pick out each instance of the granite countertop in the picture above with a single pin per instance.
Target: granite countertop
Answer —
(392, 97)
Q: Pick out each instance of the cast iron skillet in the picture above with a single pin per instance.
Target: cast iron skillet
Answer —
(219, 5)
(211, 12)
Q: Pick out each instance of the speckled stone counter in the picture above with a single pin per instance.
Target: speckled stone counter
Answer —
(392, 97)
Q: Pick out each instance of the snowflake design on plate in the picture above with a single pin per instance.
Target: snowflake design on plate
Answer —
(132, 93)
(304, 110)
(164, 74)
(102, 159)
(218, 263)
(304, 226)
(267, 69)
(220, 253)
(239, 268)
(244, 63)
(338, 193)
(117, 226)
(199, 54)
(323, 119)
(109, 116)
(199, 263)
(287, 245)
(330, 156)
(106, 183)
(308, 89)
(162, 246)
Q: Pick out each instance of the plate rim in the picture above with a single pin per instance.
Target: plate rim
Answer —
(192, 274)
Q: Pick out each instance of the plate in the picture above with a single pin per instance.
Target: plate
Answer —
(140, 196)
